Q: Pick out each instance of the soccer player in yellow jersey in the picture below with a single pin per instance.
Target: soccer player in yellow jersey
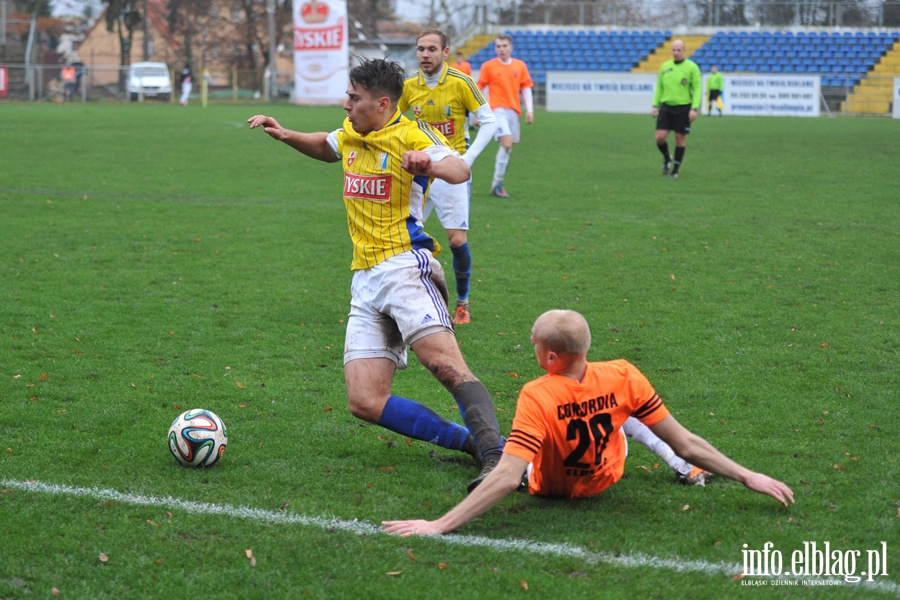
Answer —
(398, 291)
(444, 98)
(506, 79)
(567, 428)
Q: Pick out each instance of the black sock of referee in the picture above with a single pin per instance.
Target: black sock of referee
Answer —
(679, 156)
(664, 148)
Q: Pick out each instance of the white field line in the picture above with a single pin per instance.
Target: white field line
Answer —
(361, 528)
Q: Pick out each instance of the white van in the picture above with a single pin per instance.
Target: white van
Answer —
(148, 79)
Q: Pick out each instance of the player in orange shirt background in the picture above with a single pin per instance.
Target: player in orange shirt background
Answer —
(506, 78)
(462, 64)
(567, 430)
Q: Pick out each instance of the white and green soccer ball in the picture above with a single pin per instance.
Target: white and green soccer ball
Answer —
(197, 438)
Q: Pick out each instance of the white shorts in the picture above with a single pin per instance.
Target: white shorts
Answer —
(507, 124)
(451, 203)
(395, 303)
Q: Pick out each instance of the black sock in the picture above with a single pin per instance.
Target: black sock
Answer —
(664, 148)
(679, 156)
(478, 414)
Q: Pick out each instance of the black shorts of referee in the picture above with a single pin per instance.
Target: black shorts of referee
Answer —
(674, 118)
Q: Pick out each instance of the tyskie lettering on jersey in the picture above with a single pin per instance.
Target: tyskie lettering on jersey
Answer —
(368, 187)
(447, 128)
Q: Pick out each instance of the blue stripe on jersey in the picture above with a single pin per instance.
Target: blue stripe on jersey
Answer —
(437, 299)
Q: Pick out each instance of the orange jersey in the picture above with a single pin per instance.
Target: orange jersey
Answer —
(505, 82)
(571, 430)
(464, 66)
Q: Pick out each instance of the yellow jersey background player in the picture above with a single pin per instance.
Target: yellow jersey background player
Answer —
(568, 426)
(444, 98)
(398, 291)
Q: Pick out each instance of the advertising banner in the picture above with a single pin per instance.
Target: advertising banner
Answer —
(772, 95)
(584, 91)
(321, 51)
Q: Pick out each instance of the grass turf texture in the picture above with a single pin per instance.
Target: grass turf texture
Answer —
(156, 259)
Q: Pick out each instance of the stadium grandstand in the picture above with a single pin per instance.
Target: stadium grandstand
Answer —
(856, 68)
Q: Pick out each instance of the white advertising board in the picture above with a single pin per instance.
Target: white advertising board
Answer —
(580, 91)
(772, 95)
(897, 97)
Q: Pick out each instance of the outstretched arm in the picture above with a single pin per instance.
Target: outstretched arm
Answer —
(313, 145)
(696, 450)
(505, 478)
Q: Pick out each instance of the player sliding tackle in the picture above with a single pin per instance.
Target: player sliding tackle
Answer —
(398, 292)
(584, 452)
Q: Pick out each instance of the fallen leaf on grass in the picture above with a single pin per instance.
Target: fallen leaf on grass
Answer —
(513, 374)
(284, 506)
(524, 584)
(55, 592)
(168, 515)
(408, 443)
(442, 566)
(685, 508)
(411, 556)
(388, 468)
(840, 467)
(103, 558)
(43, 377)
(393, 573)
(252, 558)
(151, 523)
(240, 385)
(738, 577)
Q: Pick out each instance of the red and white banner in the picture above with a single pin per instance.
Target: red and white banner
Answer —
(321, 51)
(4, 81)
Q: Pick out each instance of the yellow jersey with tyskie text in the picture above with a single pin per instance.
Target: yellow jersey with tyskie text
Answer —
(383, 201)
(446, 106)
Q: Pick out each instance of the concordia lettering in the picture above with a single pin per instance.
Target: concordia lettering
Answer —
(588, 407)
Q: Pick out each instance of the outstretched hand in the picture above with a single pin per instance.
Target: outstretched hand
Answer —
(770, 487)
(410, 528)
(269, 125)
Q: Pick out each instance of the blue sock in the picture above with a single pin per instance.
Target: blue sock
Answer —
(419, 422)
(462, 267)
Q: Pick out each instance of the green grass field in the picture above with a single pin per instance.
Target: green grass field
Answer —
(156, 259)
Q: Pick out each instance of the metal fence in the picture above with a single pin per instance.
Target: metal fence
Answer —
(101, 84)
(96, 83)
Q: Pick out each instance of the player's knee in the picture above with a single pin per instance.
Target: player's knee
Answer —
(457, 237)
(366, 408)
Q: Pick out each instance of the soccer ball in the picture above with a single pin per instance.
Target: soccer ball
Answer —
(197, 438)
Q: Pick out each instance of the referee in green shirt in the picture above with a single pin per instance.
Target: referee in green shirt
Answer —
(678, 95)
(715, 85)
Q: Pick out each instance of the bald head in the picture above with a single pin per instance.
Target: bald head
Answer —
(678, 50)
(563, 332)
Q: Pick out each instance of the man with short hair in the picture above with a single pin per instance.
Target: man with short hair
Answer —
(676, 100)
(398, 291)
(567, 431)
(506, 78)
(444, 98)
